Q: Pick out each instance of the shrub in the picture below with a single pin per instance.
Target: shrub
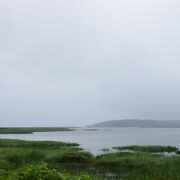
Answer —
(41, 171)
(38, 171)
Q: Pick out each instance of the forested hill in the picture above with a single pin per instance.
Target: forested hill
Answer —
(139, 123)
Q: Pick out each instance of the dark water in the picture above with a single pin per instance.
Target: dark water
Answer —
(95, 140)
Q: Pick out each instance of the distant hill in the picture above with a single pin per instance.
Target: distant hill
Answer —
(138, 123)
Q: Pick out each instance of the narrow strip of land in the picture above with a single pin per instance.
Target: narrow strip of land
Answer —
(30, 130)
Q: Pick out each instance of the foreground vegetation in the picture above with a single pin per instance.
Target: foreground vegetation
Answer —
(30, 130)
(48, 160)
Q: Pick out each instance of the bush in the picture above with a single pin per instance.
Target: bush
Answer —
(38, 171)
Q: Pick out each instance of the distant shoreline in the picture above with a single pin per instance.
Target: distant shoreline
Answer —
(137, 123)
(30, 130)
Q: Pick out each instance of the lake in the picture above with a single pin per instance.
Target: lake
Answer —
(95, 140)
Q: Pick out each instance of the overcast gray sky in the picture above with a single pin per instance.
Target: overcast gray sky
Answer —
(77, 62)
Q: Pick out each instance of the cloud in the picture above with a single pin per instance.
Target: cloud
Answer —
(79, 62)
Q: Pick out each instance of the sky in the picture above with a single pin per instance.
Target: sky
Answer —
(77, 62)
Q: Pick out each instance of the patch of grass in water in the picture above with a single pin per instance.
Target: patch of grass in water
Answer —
(105, 150)
(91, 129)
(178, 152)
(149, 149)
(10, 143)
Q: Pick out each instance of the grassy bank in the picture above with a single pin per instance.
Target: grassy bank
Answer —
(69, 161)
(141, 166)
(30, 130)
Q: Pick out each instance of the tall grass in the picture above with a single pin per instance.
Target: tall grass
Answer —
(141, 166)
(15, 154)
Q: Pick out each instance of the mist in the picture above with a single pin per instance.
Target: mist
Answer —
(74, 63)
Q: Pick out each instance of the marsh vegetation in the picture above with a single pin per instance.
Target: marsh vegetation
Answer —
(69, 160)
(150, 149)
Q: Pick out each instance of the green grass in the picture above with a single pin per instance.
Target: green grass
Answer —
(18, 152)
(40, 171)
(140, 166)
(72, 157)
(69, 158)
(150, 149)
(30, 130)
(34, 144)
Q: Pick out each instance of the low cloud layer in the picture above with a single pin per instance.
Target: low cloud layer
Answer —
(73, 63)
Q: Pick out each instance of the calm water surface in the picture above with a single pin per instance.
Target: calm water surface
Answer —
(95, 140)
